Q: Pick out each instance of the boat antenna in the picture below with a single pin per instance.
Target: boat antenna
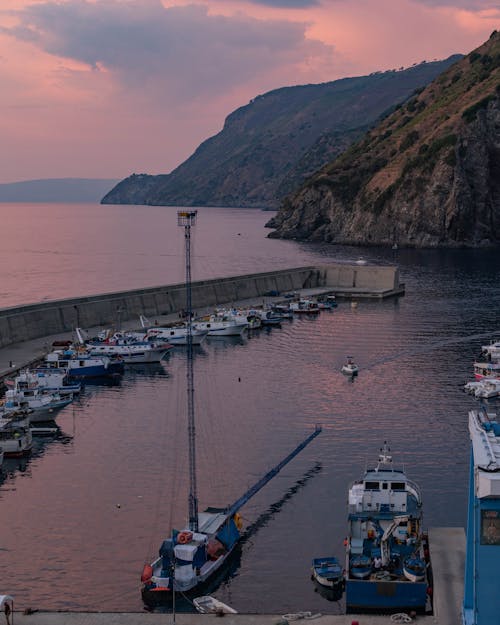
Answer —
(187, 220)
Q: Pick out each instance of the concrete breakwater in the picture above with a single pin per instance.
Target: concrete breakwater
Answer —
(33, 321)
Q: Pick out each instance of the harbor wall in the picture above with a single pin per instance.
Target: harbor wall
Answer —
(23, 323)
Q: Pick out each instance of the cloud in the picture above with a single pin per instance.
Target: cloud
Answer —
(181, 51)
(469, 5)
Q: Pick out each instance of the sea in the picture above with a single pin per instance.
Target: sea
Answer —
(89, 507)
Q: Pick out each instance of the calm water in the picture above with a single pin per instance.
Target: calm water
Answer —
(83, 514)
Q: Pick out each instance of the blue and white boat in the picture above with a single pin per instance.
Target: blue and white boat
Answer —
(79, 364)
(387, 565)
(328, 572)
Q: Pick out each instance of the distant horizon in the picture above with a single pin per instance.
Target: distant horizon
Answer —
(122, 87)
(69, 189)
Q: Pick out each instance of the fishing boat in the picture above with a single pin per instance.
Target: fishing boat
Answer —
(304, 307)
(79, 364)
(350, 368)
(487, 370)
(328, 572)
(189, 558)
(15, 435)
(47, 380)
(387, 565)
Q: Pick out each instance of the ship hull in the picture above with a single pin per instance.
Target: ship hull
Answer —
(385, 596)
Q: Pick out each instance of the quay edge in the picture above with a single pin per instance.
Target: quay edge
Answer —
(32, 321)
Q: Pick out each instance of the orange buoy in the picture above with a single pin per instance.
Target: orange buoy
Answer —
(147, 573)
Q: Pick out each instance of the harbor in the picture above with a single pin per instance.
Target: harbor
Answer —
(116, 461)
(447, 583)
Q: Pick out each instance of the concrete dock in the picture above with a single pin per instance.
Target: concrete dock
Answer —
(447, 555)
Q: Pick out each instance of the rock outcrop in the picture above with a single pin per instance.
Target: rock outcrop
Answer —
(269, 147)
(428, 175)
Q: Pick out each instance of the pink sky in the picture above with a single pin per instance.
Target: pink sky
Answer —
(104, 88)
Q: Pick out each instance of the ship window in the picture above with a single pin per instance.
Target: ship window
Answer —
(372, 485)
(490, 527)
(384, 485)
(398, 485)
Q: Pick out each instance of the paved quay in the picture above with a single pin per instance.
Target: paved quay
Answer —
(128, 618)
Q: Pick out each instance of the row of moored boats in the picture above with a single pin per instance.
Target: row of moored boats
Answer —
(35, 395)
(486, 383)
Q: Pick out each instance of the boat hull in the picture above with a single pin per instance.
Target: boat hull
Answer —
(161, 596)
(385, 596)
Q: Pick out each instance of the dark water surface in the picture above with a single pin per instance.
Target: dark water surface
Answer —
(83, 514)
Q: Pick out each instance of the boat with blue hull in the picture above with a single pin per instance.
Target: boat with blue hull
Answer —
(387, 565)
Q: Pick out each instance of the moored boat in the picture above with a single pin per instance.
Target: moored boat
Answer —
(79, 364)
(387, 552)
(211, 605)
(15, 435)
(486, 370)
(304, 307)
(350, 368)
(328, 572)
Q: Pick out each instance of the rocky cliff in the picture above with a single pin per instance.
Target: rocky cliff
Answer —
(269, 147)
(428, 175)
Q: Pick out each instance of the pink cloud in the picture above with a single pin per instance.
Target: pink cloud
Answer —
(104, 88)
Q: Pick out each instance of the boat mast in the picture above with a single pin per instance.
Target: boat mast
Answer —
(187, 219)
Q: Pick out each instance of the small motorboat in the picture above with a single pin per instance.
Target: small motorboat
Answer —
(211, 605)
(350, 368)
(360, 566)
(414, 569)
(327, 572)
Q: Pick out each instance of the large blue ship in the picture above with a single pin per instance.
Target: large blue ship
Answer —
(387, 552)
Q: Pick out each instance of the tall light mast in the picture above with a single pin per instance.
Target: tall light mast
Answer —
(187, 219)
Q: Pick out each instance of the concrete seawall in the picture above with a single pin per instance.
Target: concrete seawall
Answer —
(33, 321)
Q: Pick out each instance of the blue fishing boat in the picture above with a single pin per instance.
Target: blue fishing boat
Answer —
(192, 558)
(387, 565)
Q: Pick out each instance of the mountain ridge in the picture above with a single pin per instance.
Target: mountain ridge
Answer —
(428, 175)
(272, 144)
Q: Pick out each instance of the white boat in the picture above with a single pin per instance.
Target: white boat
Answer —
(15, 436)
(470, 387)
(486, 370)
(492, 350)
(349, 368)
(488, 388)
(79, 364)
(222, 324)
(47, 380)
(211, 605)
(40, 406)
(304, 307)
(177, 334)
(126, 347)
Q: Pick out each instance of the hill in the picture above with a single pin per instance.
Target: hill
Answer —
(56, 190)
(270, 146)
(427, 175)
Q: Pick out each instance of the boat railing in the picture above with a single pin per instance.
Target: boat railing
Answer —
(414, 489)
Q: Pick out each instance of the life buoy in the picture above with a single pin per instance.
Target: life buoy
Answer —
(238, 521)
(184, 537)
